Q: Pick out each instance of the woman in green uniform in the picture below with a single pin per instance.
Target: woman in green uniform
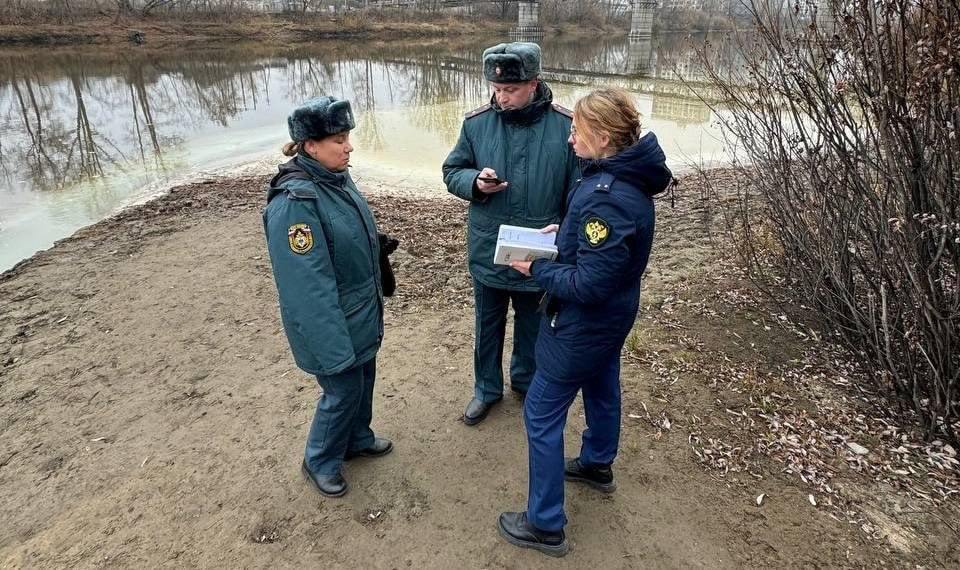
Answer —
(324, 249)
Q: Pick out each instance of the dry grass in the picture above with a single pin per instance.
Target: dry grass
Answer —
(160, 30)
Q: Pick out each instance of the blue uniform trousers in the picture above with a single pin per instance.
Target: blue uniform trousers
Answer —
(491, 326)
(545, 415)
(342, 420)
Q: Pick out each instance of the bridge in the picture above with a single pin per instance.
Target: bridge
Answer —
(528, 15)
(635, 80)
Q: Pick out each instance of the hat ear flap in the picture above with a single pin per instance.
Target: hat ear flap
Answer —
(530, 54)
(304, 125)
(499, 48)
(315, 124)
(340, 116)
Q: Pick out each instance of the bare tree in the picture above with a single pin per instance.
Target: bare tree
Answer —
(848, 118)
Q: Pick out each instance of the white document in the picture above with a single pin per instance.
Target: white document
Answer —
(515, 243)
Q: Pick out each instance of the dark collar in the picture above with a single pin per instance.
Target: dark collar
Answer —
(320, 173)
(542, 98)
(591, 166)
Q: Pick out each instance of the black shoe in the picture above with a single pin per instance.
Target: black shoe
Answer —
(597, 476)
(381, 446)
(477, 410)
(518, 531)
(520, 392)
(328, 485)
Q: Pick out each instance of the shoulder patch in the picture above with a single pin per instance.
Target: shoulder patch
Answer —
(478, 111)
(596, 230)
(604, 182)
(300, 237)
(301, 193)
(563, 110)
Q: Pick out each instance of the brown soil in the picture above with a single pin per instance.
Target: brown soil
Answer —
(151, 415)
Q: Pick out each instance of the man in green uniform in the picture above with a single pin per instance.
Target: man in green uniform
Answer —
(514, 165)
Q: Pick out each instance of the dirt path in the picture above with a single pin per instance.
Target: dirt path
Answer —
(151, 416)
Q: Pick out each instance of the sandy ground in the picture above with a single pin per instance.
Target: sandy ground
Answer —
(151, 415)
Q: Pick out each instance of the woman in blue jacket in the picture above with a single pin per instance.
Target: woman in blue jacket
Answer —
(325, 253)
(593, 294)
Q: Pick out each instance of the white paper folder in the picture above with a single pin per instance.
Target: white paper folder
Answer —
(515, 243)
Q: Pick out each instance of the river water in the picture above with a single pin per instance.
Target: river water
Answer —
(86, 131)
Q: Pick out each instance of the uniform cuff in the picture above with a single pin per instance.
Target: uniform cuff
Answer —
(478, 196)
(535, 264)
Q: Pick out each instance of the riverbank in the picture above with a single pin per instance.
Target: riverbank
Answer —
(157, 31)
(151, 414)
(205, 29)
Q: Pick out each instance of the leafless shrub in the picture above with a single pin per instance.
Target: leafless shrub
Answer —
(581, 12)
(848, 134)
(674, 18)
(71, 11)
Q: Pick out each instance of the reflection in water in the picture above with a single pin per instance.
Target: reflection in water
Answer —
(639, 52)
(82, 133)
(526, 35)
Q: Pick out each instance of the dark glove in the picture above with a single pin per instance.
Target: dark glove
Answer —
(388, 245)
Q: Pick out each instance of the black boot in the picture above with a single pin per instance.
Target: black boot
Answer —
(518, 531)
(600, 477)
(477, 410)
(328, 485)
(381, 446)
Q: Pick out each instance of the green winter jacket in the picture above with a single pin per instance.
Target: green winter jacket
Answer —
(528, 148)
(323, 245)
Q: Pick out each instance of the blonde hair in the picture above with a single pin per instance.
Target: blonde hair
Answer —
(291, 148)
(610, 112)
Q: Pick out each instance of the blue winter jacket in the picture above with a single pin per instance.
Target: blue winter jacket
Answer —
(604, 243)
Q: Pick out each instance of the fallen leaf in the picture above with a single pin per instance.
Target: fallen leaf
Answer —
(857, 448)
(760, 498)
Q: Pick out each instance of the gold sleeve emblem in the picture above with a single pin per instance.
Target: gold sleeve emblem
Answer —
(300, 237)
(596, 231)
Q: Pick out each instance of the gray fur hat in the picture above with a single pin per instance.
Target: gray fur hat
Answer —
(511, 63)
(320, 117)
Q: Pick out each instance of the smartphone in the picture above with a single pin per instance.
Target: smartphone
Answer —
(490, 180)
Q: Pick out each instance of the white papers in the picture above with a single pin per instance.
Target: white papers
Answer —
(515, 243)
